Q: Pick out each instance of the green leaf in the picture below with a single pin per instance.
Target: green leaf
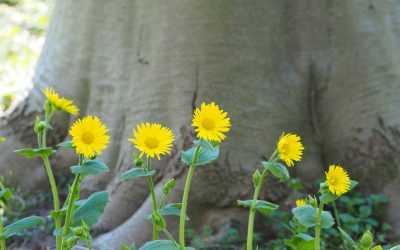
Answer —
(393, 248)
(379, 247)
(206, 155)
(6, 194)
(30, 152)
(203, 143)
(137, 172)
(347, 239)
(66, 144)
(162, 245)
(2, 139)
(21, 225)
(278, 170)
(365, 211)
(327, 219)
(262, 206)
(306, 215)
(304, 241)
(90, 210)
(90, 167)
(305, 237)
(328, 197)
(77, 203)
(172, 209)
(300, 241)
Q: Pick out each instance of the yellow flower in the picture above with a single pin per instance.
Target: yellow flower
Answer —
(211, 122)
(89, 136)
(152, 139)
(60, 102)
(338, 180)
(300, 202)
(290, 148)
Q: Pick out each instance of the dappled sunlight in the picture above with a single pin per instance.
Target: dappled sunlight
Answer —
(22, 29)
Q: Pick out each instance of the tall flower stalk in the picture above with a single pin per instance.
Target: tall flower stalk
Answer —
(89, 138)
(56, 201)
(210, 123)
(71, 200)
(252, 213)
(153, 198)
(153, 140)
(53, 104)
(338, 183)
(309, 213)
(186, 197)
(289, 149)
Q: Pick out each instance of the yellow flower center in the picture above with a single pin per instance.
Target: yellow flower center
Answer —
(152, 143)
(208, 124)
(87, 137)
(284, 148)
(332, 181)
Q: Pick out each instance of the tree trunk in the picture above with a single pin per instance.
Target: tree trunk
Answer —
(327, 70)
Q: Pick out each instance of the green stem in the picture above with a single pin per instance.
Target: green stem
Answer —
(71, 200)
(57, 220)
(89, 245)
(162, 201)
(47, 120)
(170, 237)
(153, 198)
(252, 214)
(2, 241)
(38, 140)
(185, 199)
(336, 212)
(318, 227)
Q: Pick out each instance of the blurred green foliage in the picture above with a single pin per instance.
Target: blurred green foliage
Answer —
(203, 240)
(25, 203)
(23, 23)
(357, 213)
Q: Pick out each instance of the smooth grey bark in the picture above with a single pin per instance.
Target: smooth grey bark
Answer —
(327, 70)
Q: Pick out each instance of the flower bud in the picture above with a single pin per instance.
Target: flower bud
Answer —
(323, 187)
(367, 240)
(35, 127)
(159, 221)
(256, 177)
(39, 126)
(169, 185)
(47, 107)
(79, 231)
(312, 201)
(70, 242)
(138, 162)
